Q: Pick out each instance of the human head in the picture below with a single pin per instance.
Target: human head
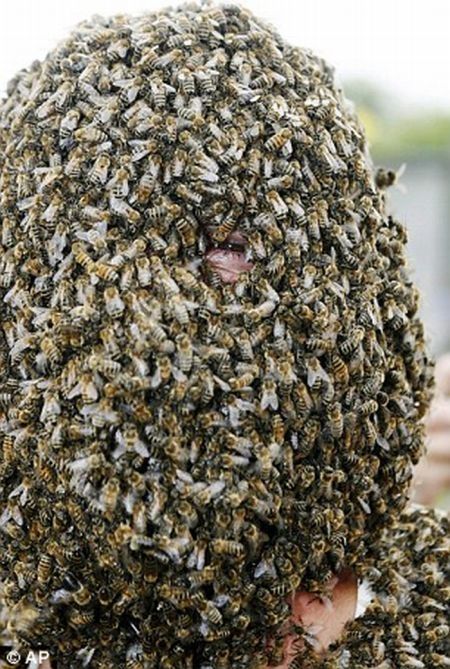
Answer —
(180, 453)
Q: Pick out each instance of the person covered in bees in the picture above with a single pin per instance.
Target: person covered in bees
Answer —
(213, 374)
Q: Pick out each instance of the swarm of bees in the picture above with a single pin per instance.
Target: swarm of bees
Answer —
(177, 454)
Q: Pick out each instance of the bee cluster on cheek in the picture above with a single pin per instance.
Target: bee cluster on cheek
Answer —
(179, 454)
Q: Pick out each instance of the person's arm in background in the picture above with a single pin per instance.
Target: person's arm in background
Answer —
(432, 473)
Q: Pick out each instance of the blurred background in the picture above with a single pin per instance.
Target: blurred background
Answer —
(392, 59)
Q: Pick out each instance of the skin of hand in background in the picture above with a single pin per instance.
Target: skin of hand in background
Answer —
(432, 474)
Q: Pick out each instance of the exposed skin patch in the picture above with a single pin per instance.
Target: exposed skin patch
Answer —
(228, 258)
(325, 617)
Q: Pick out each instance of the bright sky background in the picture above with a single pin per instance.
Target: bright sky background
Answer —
(402, 44)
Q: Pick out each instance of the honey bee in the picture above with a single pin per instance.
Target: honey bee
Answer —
(82, 257)
(185, 352)
(118, 184)
(69, 123)
(146, 187)
(82, 596)
(81, 618)
(90, 134)
(113, 302)
(44, 569)
(227, 547)
(120, 207)
(206, 608)
(50, 350)
(277, 203)
(278, 140)
(368, 407)
(186, 232)
(105, 271)
(336, 420)
(340, 370)
(355, 338)
(99, 172)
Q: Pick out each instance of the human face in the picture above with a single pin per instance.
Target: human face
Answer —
(228, 258)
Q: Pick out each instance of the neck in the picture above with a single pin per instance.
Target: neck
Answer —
(326, 617)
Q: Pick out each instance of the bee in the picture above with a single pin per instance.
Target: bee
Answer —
(269, 397)
(189, 514)
(336, 420)
(90, 134)
(108, 337)
(159, 92)
(180, 310)
(109, 497)
(8, 271)
(241, 382)
(278, 140)
(209, 492)
(263, 310)
(254, 161)
(340, 370)
(146, 187)
(341, 141)
(50, 350)
(129, 89)
(352, 342)
(185, 352)
(358, 167)
(69, 123)
(81, 618)
(205, 79)
(113, 303)
(368, 407)
(118, 184)
(330, 162)
(105, 271)
(274, 234)
(118, 49)
(410, 662)
(7, 232)
(206, 608)
(188, 194)
(44, 569)
(121, 208)
(82, 257)
(82, 596)
(265, 463)
(108, 111)
(277, 203)
(99, 172)
(51, 407)
(433, 575)
(186, 232)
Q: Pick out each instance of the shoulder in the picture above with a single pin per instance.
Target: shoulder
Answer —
(404, 596)
(413, 553)
(423, 532)
(428, 511)
(419, 532)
